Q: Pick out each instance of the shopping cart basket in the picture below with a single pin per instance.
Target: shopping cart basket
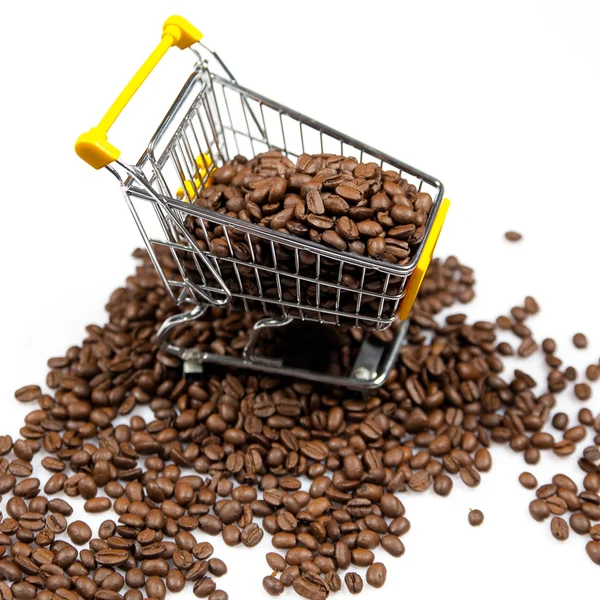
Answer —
(281, 276)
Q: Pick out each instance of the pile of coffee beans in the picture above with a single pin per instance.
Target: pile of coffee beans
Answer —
(334, 201)
(234, 455)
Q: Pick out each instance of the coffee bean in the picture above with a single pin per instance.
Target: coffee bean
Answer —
(111, 557)
(513, 236)
(28, 393)
(272, 586)
(392, 545)
(361, 557)
(539, 510)
(592, 372)
(155, 588)
(442, 485)
(580, 341)
(96, 505)
(376, 575)
(475, 518)
(311, 586)
(559, 528)
(579, 523)
(276, 561)
(421, 481)
(528, 481)
(593, 551)
(79, 532)
(251, 535)
(354, 582)
(583, 391)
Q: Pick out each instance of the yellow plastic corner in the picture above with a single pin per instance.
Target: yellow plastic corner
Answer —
(184, 34)
(95, 149)
(416, 279)
(93, 146)
(204, 162)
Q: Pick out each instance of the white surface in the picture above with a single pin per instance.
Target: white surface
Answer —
(500, 101)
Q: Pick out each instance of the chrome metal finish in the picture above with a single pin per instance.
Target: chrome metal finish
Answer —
(213, 119)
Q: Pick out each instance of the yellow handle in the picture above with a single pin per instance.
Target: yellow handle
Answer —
(93, 146)
(416, 279)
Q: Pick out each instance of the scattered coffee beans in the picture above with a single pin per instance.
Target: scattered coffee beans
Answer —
(226, 455)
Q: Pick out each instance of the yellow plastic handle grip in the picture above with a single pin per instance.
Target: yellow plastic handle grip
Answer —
(93, 146)
(416, 279)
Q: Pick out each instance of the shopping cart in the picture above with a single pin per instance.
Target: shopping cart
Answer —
(285, 278)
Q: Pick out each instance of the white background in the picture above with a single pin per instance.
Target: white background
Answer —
(499, 100)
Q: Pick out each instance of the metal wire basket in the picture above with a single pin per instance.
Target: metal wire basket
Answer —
(261, 270)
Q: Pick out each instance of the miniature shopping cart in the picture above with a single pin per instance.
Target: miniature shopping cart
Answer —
(282, 277)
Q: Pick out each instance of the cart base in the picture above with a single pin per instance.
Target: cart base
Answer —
(371, 368)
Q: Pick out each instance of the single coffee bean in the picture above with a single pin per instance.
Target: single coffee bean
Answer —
(272, 586)
(528, 481)
(583, 391)
(204, 587)
(276, 561)
(559, 528)
(539, 510)
(475, 518)
(392, 545)
(28, 393)
(580, 524)
(513, 236)
(442, 485)
(79, 532)
(311, 586)
(155, 588)
(376, 575)
(580, 341)
(354, 582)
(593, 551)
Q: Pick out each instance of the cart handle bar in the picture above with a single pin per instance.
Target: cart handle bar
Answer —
(93, 146)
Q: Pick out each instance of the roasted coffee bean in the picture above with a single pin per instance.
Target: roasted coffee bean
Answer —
(273, 586)
(442, 485)
(204, 587)
(155, 588)
(276, 561)
(28, 393)
(311, 586)
(362, 557)
(392, 545)
(96, 505)
(475, 518)
(580, 341)
(579, 523)
(528, 481)
(376, 575)
(539, 510)
(559, 528)
(175, 580)
(593, 551)
(79, 532)
(354, 582)
(583, 391)
(513, 236)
